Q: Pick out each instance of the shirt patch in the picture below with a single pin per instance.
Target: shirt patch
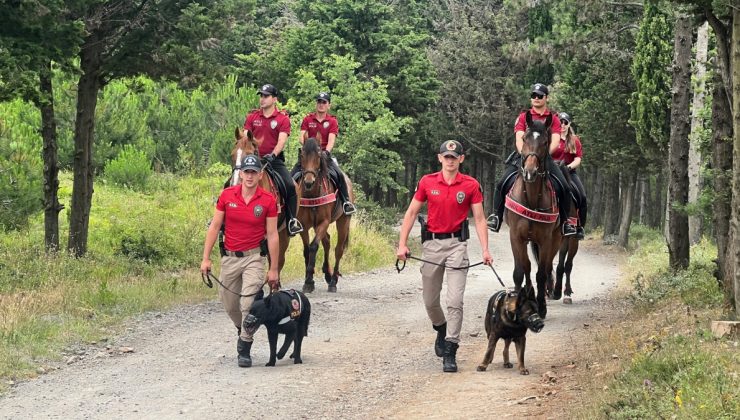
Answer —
(326, 124)
(460, 197)
(258, 210)
(273, 124)
(434, 192)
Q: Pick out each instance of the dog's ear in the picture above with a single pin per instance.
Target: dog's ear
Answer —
(530, 293)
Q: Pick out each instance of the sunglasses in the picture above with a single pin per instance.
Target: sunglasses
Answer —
(565, 122)
(537, 96)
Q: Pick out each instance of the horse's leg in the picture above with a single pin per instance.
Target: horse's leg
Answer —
(521, 260)
(544, 271)
(572, 251)
(557, 293)
(342, 240)
(320, 230)
(326, 244)
(308, 284)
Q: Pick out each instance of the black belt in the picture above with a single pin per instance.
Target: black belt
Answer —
(446, 235)
(240, 254)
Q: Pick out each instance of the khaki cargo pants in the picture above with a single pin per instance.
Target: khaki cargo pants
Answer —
(453, 253)
(244, 275)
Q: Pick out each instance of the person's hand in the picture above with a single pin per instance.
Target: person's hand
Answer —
(487, 258)
(326, 153)
(205, 266)
(273, 278)
(269, 157)
(402, 252)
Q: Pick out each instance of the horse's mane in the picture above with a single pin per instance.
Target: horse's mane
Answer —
(311, 146)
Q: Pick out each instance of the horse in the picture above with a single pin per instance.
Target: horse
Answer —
(568, 251)
(245, 144)
(318, 208)
(532, 213)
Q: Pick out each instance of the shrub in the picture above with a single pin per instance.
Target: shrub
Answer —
(131, 168)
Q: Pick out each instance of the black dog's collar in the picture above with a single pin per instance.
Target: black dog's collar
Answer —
(296, 304)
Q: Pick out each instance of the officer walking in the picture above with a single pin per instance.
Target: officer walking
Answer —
(248, 213)
(449, 196)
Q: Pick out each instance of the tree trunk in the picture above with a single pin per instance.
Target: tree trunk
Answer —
(660, 196)
(678, 150)
(596, 211)
(627, 207)
(722, 178)
(611, 204)
(644, 195)
(52, 207)
(695, 159)
(486, 185)
(732, 269)
(82, 188)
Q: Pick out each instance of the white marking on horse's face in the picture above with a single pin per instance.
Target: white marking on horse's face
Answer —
(535, 135)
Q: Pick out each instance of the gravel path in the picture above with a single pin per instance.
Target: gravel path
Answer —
(369, 354)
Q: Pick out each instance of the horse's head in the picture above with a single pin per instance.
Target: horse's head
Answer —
(535, 149)
(245, 143)
(313, 162)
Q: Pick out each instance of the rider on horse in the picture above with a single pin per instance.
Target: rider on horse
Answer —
(570, 152)
(321, 124)
(538, 112)
(271, 128)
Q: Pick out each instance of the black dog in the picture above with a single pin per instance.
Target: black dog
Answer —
(508, 316)
(284, 312)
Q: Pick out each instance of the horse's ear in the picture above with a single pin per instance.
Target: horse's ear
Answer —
(250, 137)
(238, 133)
(318, 138)
(548, 121)
(528, 118)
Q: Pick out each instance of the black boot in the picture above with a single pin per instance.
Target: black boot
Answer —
(243, 348)
(439, 343)
(448, 361)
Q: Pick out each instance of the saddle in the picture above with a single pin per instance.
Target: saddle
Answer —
(277, 186)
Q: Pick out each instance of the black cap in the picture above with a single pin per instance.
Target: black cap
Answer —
(451, 147)
(251, 163)
(564, 117)
(323, 96)
(268, 89)
(540, 89)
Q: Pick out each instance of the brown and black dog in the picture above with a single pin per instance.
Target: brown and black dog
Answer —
(282, 312)
(508, 316)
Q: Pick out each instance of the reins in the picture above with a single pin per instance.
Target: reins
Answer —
(400, 267)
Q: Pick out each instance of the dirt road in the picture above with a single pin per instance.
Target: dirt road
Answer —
(369, 354)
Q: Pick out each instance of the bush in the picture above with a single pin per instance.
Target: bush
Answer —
(131, 168)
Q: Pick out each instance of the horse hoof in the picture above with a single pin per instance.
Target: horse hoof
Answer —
(332, 289)
(482, 368)
(508, 365)
(567, 300)
(524, 371)
(557, 295)
(308, 287)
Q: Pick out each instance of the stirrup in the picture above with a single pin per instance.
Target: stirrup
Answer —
(493, 222)
(580, 233)
(348, 208)
(568, 229)
(294, 227)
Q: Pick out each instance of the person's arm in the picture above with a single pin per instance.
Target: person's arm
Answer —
(330, 144)
(576, 162)
(273, 247)
(482, 230)
(282, 139)
(211, 236)
(408, 222)
(554, 142)
(303, 136)
(519, 141)
(579, 155)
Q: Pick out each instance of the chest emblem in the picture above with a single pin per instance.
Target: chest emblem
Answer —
(460, 197)
(434, 192)
(326, 124)
(258, 210)
(232, 205)
(273, 124)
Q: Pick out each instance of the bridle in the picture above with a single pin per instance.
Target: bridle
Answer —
(540, 169)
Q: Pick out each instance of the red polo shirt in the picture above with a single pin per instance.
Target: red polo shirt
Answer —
(521, 121)
(246, 223)
(313, 126)
(267, 129)
(448, 205)
(567, 157)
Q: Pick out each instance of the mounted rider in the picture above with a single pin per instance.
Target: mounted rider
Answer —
(271, 128)
(538, 112)
(324, 126)
(570, 153)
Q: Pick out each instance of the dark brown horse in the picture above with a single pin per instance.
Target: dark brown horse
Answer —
(318, 208)
(568, 251)
(246, 145)
(532, 213)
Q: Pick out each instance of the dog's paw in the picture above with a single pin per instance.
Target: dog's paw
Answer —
(482, 368)
(508, 365)
(297, 361)
(270, 364)
(524, 371)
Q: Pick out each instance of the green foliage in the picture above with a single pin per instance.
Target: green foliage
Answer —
(20, 165)
(651, 100)
(131, 168)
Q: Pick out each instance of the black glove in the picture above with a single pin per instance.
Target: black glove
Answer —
(269, 157)
(327, 154)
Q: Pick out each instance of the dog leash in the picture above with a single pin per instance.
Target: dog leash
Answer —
(208, 276)
(400, 268)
